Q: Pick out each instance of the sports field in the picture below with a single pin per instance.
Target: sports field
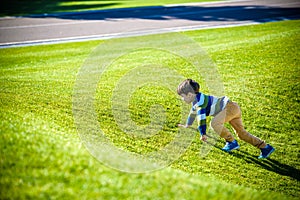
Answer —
(42, 156)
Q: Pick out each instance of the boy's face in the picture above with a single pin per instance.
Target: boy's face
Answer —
(188, 98)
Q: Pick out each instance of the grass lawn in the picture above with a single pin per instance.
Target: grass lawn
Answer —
(42, 156)
(25, 7)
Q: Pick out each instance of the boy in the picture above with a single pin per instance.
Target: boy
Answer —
(223, 111)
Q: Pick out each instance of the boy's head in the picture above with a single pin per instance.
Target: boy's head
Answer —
(187, 86)
(188, 90)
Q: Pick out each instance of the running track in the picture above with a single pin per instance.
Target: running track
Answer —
(105, 24)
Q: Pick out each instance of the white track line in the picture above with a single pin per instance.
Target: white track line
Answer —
(129, 34)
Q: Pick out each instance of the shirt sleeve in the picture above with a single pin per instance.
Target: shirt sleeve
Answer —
(201, 113)
(201, 119)
(198, 111)
(192, 115)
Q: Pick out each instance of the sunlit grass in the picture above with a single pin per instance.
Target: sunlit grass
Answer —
(42, 156)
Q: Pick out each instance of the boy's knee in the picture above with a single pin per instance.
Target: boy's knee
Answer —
(216, 125)
(213, 124)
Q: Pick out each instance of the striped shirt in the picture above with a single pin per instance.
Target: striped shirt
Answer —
(205, 105)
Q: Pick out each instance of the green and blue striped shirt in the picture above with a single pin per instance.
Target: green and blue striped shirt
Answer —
(205, 105)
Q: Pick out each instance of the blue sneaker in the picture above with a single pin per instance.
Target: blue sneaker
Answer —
(266, 152)
(231, 146)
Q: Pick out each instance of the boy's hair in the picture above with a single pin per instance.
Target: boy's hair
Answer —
(187, 86)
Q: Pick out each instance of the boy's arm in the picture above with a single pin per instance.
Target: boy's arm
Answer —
(190, 119)
(201, 118)
(201, 114)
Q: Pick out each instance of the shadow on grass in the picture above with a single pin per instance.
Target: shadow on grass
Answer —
(269, 164)
(25, 7)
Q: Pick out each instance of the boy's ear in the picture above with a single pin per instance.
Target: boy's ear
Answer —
(190, 94)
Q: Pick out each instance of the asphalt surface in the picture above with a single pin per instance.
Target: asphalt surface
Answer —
(105, 24)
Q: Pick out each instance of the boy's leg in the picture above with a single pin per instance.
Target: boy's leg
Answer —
(237, 125)
(217, 123)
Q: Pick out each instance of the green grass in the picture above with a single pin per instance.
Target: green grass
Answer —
(42, 156)
(25, 7)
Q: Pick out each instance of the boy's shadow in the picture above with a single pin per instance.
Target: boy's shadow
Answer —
(269, 164)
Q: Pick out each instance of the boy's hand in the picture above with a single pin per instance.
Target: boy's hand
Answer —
(203, 138)
(183, 125)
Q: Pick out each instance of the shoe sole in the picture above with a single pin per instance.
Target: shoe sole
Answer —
(231, 149)
(261, 157)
